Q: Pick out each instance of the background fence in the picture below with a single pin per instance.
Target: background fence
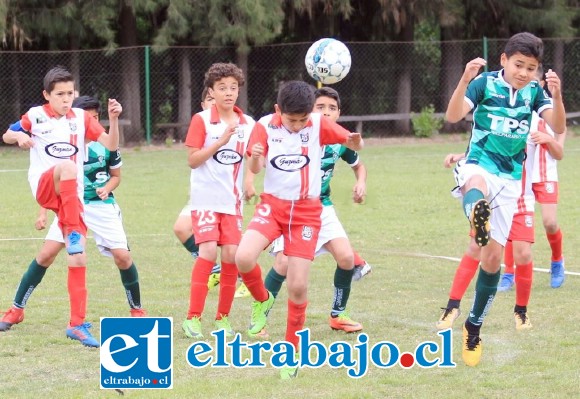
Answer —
(160, 88)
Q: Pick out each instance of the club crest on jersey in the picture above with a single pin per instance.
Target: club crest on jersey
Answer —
(227, 157)
(40, 119)
(240, 132)
(290, 163)
(304, 136)
(73, 126)
(307, 233)
(61, 150)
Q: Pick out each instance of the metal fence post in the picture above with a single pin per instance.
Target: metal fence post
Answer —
(485, 53)
(147, 95)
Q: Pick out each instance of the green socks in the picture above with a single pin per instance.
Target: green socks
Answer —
(30, 279)
(274, 282)
(342, 283)
(130, 280)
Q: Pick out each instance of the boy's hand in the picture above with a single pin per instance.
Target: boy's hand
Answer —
(450, 159)
(359, 191)
(540, 137)
(102, 193)
(25, 141)
(355, 137)
(228, 133)
(472, 69)
(40, 223)
(114, 109)
(257, 150)
(553, 82)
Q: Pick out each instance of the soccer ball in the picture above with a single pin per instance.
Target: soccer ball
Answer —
(328, 61)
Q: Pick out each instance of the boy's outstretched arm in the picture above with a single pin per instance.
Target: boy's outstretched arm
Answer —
(458, 108)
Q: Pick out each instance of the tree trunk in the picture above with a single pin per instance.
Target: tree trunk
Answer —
(130, 65)
(558, 62)
(242, 62)
(451, 69)
(405, 78)
(185, 93)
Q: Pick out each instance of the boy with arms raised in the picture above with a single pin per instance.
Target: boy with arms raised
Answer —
(289, 145)
(332, 236)
(57, 152)
(216, 142)
(102, 215)
(503, 102)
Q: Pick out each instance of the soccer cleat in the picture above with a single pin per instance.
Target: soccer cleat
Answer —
(192, 328)
(195, 254)
(345, 323)
(360, 271)
(12, 316)
(74, 243)
(242, 291)
(287, 372)
(506, 283)
(480, 215)
(214, 280)
(138, 313)
(522, 321)
(447, 318)
(558, 274)
(81, 333)
(260, 312)
(217, 268)
(224, 324)
(472, 349)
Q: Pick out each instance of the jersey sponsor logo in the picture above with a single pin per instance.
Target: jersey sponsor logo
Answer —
(61, 150)
(290, 163)
(506, 125)
(227, 157)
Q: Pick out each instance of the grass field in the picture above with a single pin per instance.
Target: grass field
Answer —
(408, 213)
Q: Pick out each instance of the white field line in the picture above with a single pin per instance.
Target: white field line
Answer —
(12, 170)
(408, 254)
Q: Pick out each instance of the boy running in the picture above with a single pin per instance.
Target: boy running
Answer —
(289, 145)
(503, 102)
(216, 141)
(332, 236)
(55, 136)
(102, 216)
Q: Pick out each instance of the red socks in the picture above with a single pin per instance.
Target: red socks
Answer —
(295, 321)
(524, 277)
(198, 290)
(555, 241)
(253, 280)
(70, 213)
(358, 260)
(228, 278)
(463, 276)
(77, 293)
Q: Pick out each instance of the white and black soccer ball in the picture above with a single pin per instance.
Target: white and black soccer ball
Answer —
(328, 61)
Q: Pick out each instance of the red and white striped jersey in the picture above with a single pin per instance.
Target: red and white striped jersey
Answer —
(216, 185)
(57, 138)
(293, 159)
(545, 167)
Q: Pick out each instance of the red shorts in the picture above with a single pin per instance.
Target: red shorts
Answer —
(522, 227)
(213, 226)
(546, 192)
(47, 197)
(298, 221)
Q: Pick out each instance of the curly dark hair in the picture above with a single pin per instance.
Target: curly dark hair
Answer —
(222, 70)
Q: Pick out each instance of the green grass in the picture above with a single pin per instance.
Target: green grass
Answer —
(408, 212)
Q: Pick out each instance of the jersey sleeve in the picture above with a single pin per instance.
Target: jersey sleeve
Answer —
(542, 101)
(115, 161)
(475, 91)
(349, 156)
(93, 128)
(331, 132)
(25, 122)
(258, 135)
(196, 133)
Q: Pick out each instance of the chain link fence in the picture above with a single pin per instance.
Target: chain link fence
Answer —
(160, 88)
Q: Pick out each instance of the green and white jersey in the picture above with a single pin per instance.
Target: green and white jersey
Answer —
(96, 169)
(331, 154)
(501, 122)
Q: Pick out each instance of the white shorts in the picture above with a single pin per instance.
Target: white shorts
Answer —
(106, 223)
(502, 195)
(330, 229)
(186, 211)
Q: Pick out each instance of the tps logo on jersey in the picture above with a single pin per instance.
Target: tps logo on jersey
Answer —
(137, 352)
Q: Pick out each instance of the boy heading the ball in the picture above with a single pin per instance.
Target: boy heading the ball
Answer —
(503, 102)
(288, 144)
